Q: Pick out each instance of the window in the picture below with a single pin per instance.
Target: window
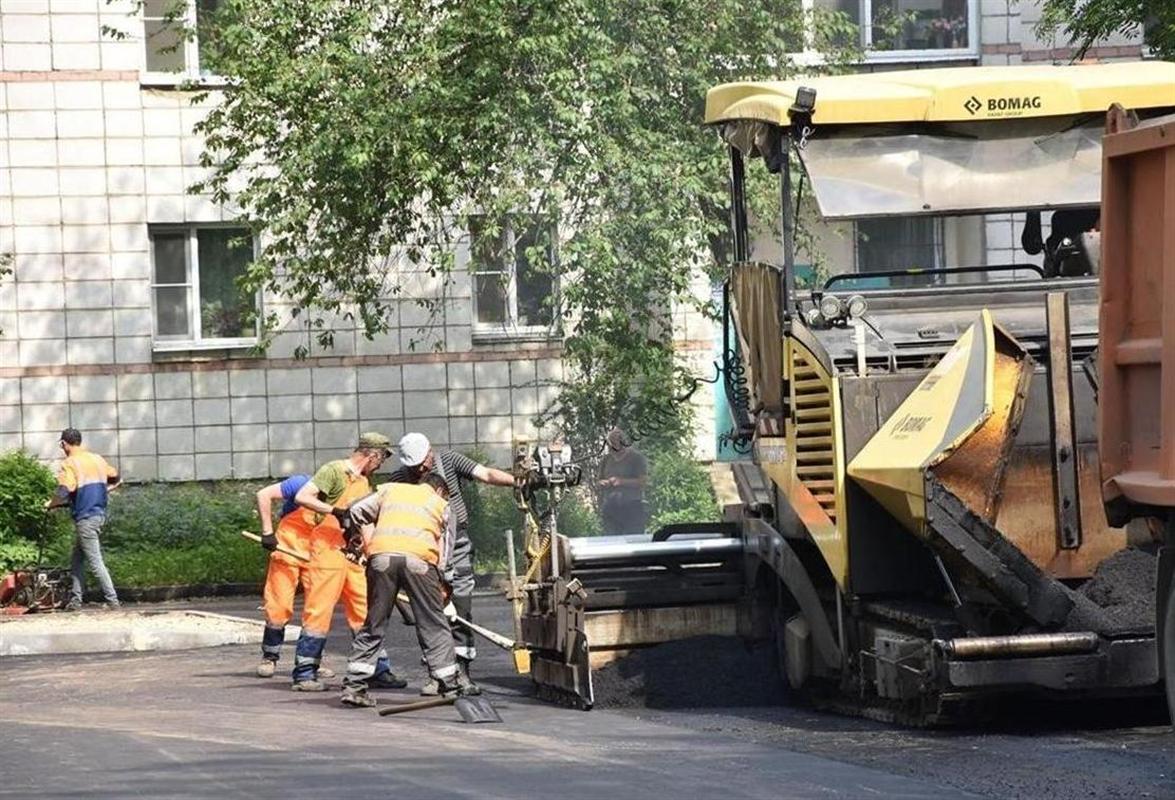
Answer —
(198, 302)
(904, 30)
(894, 243)
(177, 35)
(512, 266)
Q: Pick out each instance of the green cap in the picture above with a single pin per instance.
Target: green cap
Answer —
(375, 441)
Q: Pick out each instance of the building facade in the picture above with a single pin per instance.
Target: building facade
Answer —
(122, 317)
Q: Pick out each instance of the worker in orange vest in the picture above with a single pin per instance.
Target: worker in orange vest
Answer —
(331, 576)
(83, 484)
(407, 550)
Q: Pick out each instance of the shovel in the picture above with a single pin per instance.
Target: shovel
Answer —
(473, 709)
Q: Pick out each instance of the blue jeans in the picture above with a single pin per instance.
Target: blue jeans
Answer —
(86, 546)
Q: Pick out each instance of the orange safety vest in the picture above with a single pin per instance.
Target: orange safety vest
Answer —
(326, 538)
(411, 521)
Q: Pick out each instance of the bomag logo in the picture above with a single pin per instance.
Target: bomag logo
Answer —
(1002, 106)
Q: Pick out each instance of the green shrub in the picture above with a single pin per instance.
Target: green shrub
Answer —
(220, 558)
(25, 485)
(178, 533)
(678, 490)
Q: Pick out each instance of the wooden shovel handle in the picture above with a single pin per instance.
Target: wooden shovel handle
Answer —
(417, 705)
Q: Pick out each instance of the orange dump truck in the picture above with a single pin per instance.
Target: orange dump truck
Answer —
(1136, 397)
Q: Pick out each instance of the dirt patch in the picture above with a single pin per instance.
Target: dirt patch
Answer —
(1120, 597)
(702, 672)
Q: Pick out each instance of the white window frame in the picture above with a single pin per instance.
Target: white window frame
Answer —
(194, 339)
(812, 57)
(510, 329)
(191, 50)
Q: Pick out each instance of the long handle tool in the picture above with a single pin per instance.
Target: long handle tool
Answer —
(291, 553)
(473, 709)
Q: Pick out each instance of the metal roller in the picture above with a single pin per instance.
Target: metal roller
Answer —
(594, 551)
(1033, 644)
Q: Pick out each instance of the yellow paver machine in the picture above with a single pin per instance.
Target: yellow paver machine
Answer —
(921, 522)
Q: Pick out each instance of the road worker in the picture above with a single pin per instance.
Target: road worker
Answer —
(407, 550)
(417, 459)
(284, 572)
(83, 484)
(331, 576)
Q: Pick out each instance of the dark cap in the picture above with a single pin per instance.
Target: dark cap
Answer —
(375, 441)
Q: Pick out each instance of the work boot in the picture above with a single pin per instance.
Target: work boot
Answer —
(308, 686)
(112, 606)
(266, 668)
(325, 672)
(356, 698)
(458, 686)
(72, 605)
(431, 688)
(386, 680)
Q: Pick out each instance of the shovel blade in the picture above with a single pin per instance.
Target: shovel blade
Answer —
(477, 709)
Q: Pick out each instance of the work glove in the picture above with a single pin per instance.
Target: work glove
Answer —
(269, 541)
(343, 515)
(450, 612)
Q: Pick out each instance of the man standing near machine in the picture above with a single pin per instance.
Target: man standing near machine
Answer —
(623, 473)
(417, 459)
(331, 575)
(83, 484)
(407, 550)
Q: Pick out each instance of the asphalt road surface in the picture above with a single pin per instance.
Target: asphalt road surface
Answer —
(198, 724)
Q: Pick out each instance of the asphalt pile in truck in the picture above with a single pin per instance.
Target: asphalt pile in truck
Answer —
(1119, 598)
(701, 672)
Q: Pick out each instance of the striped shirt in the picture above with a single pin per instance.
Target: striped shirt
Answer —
(455, 469)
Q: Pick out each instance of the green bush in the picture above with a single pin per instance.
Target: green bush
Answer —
(164, 534)
(679, 490)
(221, 558)
(25, 485)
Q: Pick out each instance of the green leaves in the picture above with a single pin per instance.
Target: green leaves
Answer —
(1084, 22)
(354, 131)
(25, 485)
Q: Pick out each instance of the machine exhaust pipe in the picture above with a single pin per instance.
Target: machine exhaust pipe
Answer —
(1032, 644)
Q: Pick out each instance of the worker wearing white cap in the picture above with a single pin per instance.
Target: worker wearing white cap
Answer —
(417, 458)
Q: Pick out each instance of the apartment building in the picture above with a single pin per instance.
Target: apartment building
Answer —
(122, 317)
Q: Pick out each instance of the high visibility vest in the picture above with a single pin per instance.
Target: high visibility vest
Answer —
(326, 535)
(84, 475)
(411, 521)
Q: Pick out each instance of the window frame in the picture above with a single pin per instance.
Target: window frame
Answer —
(510, 329)
(812, 57)
(938, 245)
(191, 51)
(195, 339)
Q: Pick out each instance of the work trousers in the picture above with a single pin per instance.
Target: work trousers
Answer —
(322, 590)
(86, 548)
(281, 584)
(460, 576)
(387, 574)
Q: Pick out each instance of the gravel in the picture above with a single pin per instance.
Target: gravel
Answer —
(701, 672)
(1120, 597)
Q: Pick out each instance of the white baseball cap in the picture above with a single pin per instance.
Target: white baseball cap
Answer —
(412, 449)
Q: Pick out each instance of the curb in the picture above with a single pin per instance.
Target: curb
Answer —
(484, 584)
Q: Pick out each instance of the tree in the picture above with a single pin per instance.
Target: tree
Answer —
(356, 132)
(1087, 21)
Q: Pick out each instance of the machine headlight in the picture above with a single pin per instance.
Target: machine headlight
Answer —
(857, 306)
(813, 318)
(831, 307)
